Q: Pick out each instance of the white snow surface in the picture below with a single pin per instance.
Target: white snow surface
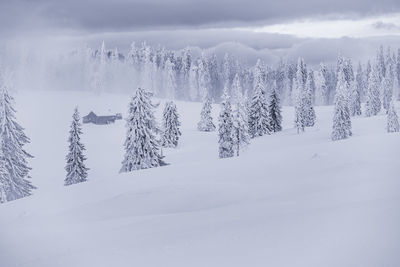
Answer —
(288, 200)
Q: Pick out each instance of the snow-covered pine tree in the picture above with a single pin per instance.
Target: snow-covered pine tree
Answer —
(171, 132)
(142, 149)
(387, 84)
(240, 116)
(392, 120)
(14, 159)
(76, 169)
(373, 102)
(274, 110)
(322, 93)
(226, 128)
(259, 121)
(355, 99)
(299, 96)
(341, 119)
(206, 121)
(307, 96)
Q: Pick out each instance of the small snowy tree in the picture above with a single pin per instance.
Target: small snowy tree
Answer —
(274, 110)
(387, 90)
(240, 117)
(171, 125)
(306, 98)
(206, 122)
(392, 120)
(355, 101)
(259, 122)
(142, 149)
(226, 128)
(76, 169)
(373, 102)
(341, 119)
(14, 183)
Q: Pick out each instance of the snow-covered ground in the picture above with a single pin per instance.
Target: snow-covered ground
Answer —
(288, 200)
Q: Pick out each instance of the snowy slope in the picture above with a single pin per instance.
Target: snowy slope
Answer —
(289, 200)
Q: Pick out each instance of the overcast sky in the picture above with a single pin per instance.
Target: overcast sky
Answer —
(284, 25)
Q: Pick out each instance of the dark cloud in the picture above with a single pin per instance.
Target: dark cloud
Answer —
(100, 15)
(380, 25)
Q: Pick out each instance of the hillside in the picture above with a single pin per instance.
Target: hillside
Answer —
(288, 200)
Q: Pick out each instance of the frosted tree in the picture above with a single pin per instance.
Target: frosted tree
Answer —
(387, 84)
(373, 102)
(306, 98)
(240, 117)
(380, 64)
(203, 77)
(341, 119)
(299, 97)
(171, 124)
(259, 121)
(169, 79)
(226, 128)
(355, 99)
(392, 120)
(142, 149)
(76, 169)
(206, 122)
(274, 110)
(193, 83)
(360, 82)
(14, 182)
(322, 94)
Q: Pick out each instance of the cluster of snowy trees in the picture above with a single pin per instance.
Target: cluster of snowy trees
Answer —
(196, 75)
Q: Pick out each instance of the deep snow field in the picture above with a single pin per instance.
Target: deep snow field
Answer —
(288, 200)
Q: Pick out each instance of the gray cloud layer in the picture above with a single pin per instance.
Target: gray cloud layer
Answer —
(116, 15)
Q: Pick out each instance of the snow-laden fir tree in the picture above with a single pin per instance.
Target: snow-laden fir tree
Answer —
(240, 117)
(76, 169)
(341, 119)
(307, 96)
(259, 121)
(355, 99)
(322, 92)
(373, 102)
(387, 84)
(206, 121)
(226, 128)
(142, 148)
(392, 120)
(299, 96)
(274, 110)
(171, 124)
(15, 182)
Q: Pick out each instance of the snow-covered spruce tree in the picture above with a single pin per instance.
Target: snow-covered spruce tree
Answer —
(387, 84)
(298, 96)
(341, 119)
(171, 125)
(373, 102)
(355, 99)
(206, 122)
(142, 149)
(76, 169)
(274, 110)
(259, 122)
(240, 117)
(226, 128)
(392, 120)
(14, 183)
(309, 112)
